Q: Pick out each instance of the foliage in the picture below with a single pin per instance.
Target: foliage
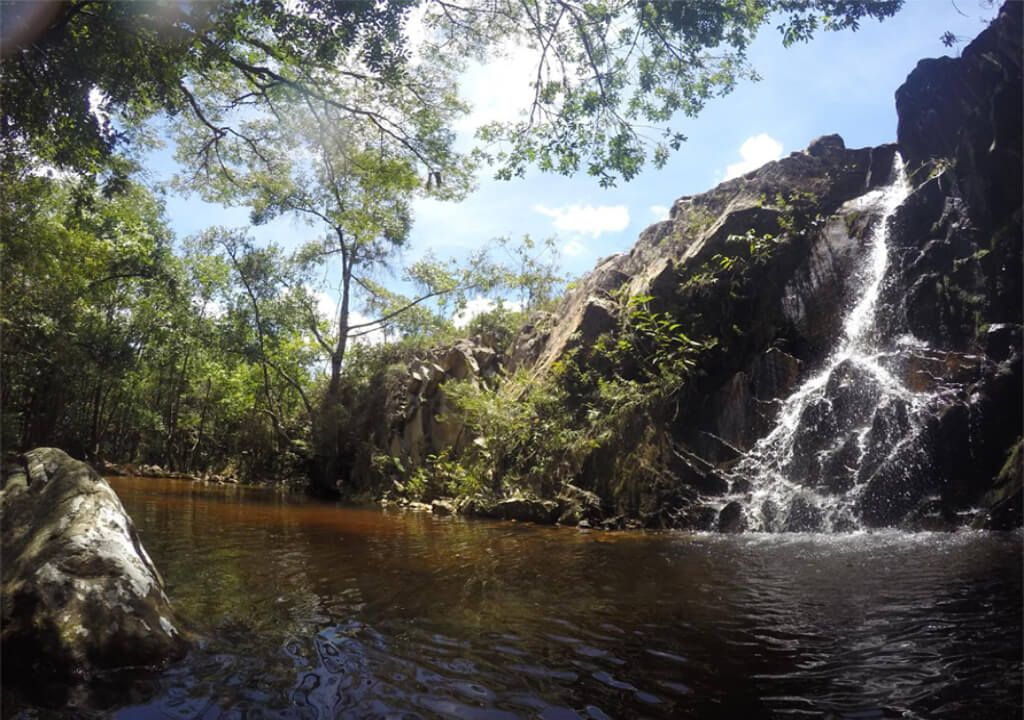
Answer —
(116, 348)
(655, 340)
(440, 476)
(609, 71)
(536, 433)
(606, 71)
(524, 437)
(496, 328)
(140, 58)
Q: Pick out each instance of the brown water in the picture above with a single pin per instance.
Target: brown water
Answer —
(310, 610)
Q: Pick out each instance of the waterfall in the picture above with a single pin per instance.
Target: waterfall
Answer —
(848, 421)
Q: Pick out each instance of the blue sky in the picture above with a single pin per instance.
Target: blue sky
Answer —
(839, 83)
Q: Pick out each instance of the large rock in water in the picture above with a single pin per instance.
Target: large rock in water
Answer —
(80, 595)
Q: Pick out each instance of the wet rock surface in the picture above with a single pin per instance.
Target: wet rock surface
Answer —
(518, 508)
(81, 596)
(732, 518)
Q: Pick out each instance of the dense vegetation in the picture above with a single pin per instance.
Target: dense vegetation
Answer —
(122, 342)
(601, 411)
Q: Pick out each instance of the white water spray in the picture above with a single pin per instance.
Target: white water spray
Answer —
(808, 472)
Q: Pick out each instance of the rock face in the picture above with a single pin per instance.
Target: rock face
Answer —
(763, 268)
(954, 282)
(423, 424)
(406, 416)
(80, 594)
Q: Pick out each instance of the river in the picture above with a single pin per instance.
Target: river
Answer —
(310, 610)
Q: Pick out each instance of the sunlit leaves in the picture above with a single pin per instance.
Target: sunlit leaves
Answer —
(612, 75)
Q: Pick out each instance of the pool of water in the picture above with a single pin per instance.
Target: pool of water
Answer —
(311, 610)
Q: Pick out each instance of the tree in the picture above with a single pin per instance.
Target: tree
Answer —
(264, 326)
(608, 72)
(611, 75)
(317, 108)
(79, 265)
(137, 58)
(337, 174)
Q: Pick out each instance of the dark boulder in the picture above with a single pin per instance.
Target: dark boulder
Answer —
(1002, 341)
(544, 512)
(804, 515)
(519, 508)
(442, 507)
(732, 518)
(829, 147)
(898, 484)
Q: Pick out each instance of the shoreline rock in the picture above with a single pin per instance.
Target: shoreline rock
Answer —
(81, 597)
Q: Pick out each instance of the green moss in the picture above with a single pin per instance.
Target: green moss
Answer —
(854, 221)
(1012, 467)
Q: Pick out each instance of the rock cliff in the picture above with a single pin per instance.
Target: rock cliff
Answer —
(759, 274)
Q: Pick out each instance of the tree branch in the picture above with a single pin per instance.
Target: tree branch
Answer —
(402, 309)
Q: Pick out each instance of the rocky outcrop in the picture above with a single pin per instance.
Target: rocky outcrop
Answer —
(761, 271)
(700, 227)
(964, 114)
(955, 272)
(517, 507)
(422, 423)
(80, 594)
(109, 469)
(406, 417)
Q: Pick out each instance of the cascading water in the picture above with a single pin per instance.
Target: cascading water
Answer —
(846, 422)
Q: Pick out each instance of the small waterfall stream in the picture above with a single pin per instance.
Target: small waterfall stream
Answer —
(847, 420)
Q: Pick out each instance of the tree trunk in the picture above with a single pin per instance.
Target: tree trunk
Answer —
(175, 409)
(326, 469)
(202, 427)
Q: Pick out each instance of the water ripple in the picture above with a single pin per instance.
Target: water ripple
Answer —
(314, 611)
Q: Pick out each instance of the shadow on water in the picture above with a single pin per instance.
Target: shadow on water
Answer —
(310, 610)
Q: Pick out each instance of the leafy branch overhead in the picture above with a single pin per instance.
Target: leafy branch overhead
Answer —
(610, 76)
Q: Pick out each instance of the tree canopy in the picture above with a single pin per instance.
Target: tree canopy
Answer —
(611, 75)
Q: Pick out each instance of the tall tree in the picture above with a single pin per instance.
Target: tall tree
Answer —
(337, 174)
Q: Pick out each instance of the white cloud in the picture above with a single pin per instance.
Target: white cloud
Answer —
(587, 219)
(365, 335)
(660, 212)
(478, 306)
(498, 91)
(573, 248)
(326, 305)
(755, 152)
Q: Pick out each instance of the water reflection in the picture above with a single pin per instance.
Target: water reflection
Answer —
(309, 610)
